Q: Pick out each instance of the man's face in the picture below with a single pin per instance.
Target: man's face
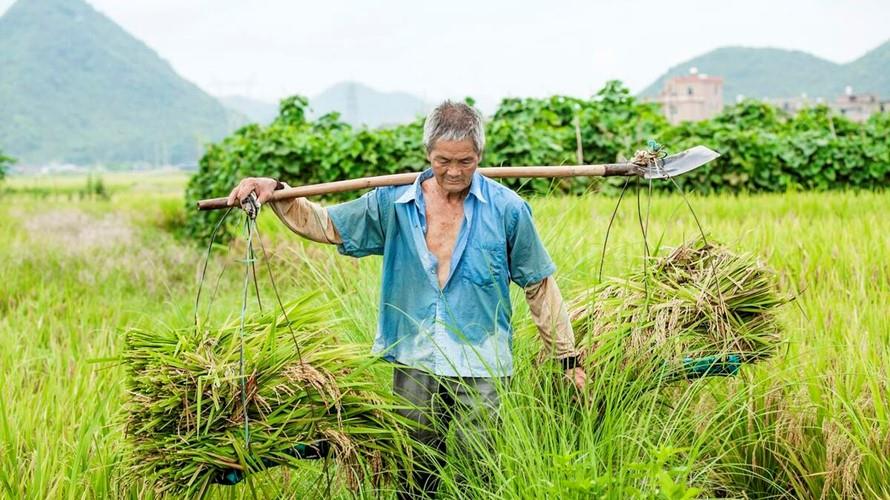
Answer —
(453, 164)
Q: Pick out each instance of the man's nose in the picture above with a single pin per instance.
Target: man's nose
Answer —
(453, 170)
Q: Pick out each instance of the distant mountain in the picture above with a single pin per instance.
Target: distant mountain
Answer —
(75, 87)
(257, 111)
(872, 70)
(767, 72)
(359, 104)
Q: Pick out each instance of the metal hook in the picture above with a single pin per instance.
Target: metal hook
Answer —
(251, 205)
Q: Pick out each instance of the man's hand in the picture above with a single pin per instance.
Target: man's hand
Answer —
(262, 186)
(577, 376)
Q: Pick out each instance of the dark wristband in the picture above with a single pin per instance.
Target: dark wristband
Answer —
(569, 362)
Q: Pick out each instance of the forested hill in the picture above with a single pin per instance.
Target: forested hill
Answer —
(766, 72)
(75, 87)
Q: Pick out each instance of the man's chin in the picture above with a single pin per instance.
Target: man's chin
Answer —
(455, 188)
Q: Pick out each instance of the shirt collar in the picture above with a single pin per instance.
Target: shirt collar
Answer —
(414, 192)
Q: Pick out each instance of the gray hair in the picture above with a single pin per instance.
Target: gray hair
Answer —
(454, 121)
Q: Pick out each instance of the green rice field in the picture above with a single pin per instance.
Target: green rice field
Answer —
(78, 270)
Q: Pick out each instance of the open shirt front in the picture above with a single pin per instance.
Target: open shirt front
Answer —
(462, 329)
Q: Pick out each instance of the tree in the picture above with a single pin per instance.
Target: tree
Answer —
(5, 162)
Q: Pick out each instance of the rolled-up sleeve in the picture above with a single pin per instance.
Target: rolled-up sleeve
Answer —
(360, 224)
(528, 259)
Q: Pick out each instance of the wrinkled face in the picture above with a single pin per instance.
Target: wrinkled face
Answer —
(453, 164)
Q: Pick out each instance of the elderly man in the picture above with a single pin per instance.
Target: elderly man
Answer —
(451, 243)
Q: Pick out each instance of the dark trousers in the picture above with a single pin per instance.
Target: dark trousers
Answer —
(470, 402)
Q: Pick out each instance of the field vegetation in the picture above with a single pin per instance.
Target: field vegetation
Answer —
(811, 422)
(762, 148)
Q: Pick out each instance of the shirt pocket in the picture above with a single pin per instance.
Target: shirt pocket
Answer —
(485, 265)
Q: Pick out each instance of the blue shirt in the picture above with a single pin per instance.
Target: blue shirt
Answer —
(462, 329)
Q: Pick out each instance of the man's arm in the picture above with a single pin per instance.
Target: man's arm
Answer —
(532, 269)
(548, 310)
(549, 313)
(357, 227)
(309, 220)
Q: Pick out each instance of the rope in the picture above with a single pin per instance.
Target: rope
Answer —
(658, 148)
(251, 230)
(327, 464)
(216, 289)
(609, 228)
(278, 296)
(643, 230)
(647, 158)
(248, 264)
(654, 155)
(206, 261)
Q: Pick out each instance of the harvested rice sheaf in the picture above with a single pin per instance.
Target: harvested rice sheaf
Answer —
(185, 417)
(702, 300)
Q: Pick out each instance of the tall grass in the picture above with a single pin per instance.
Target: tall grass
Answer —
(812, 422)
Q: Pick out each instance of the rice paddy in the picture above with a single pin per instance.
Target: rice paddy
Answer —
(206, 402)
(700, 307)
(810, 421)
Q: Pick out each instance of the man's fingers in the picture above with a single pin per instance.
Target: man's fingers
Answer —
(263, 196)
(265, 188)
(578, 377)
(233, 196)
(259, 186)
(245, 189)
(581, 377)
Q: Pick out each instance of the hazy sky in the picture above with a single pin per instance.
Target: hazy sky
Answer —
(487, 49)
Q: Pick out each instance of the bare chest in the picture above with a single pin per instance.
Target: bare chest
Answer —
(443, 227)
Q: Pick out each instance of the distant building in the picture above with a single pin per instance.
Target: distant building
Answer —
(858, 107)
(691, 97)
(792, 105)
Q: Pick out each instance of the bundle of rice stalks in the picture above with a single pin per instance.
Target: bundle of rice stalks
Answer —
(185, 421)
(701, 302)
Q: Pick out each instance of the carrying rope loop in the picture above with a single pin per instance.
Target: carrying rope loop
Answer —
(219, 224)
(251, 231)
(248, 264)
(649, 160)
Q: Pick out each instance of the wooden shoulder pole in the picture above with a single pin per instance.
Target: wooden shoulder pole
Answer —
(604, 170)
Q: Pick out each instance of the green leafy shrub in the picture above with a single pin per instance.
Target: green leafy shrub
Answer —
(763, 149)
(94, 188)
(5, 162)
